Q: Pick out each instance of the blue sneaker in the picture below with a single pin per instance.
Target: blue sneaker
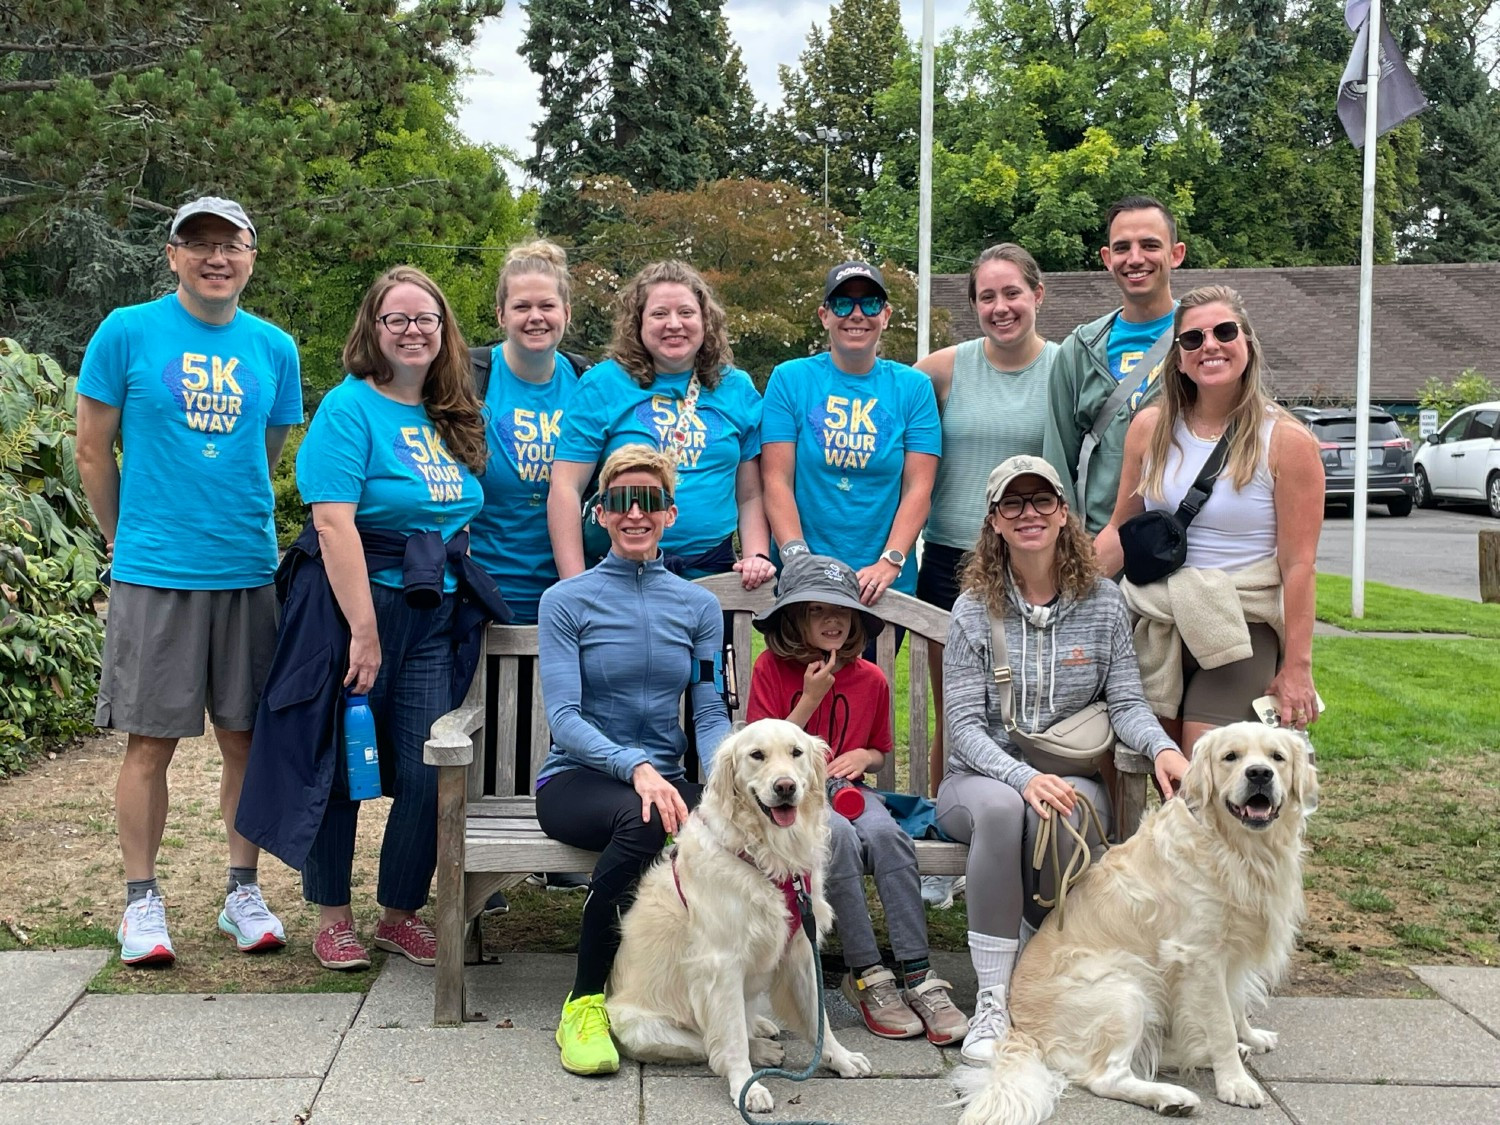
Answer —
(143, 933)
(248, 920)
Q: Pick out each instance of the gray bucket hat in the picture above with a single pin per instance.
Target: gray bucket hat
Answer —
(818, 578)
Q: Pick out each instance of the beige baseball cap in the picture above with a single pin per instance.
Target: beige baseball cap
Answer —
(1019, 466)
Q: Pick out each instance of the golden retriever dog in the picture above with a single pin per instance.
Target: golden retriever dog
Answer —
(715, 926)
(1168, 940)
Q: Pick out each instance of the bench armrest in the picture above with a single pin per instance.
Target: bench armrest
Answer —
(451, 742)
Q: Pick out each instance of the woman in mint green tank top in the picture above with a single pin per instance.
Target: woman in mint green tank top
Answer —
(992, 395)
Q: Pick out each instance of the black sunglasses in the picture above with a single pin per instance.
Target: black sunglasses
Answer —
(622, 497)
(843, 306)
(1224, 331)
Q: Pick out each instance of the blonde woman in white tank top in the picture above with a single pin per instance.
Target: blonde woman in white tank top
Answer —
(1267, 502)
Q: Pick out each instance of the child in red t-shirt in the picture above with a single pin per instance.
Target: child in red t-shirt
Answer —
(813, 675)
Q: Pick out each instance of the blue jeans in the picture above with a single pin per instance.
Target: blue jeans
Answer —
(412, 690)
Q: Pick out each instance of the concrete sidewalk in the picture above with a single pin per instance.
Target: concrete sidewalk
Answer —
(376, 1059)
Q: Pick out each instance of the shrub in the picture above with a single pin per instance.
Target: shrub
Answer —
(50, 636)
(1467, 387)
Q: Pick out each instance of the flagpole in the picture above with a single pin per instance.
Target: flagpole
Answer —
(1366, 310)
(924, 193)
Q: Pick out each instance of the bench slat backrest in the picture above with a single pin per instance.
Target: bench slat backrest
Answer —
(505, 762)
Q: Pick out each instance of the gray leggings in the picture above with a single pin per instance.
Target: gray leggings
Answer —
(999, 827)
(875, 844)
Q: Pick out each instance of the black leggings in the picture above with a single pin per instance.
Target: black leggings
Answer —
(589, 809)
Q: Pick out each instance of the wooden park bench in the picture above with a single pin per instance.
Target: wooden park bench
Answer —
(488, 835)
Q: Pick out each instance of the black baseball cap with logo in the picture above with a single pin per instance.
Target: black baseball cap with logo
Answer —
(848, 271)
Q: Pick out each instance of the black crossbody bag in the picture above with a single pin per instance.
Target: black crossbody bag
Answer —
(1155, 543)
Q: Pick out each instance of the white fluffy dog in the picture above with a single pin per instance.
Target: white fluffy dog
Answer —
(715, 926)
(1167, 941)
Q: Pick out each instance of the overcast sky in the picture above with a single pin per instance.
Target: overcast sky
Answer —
(502, 108)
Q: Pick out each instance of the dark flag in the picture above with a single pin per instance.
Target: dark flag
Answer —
(1399, 96)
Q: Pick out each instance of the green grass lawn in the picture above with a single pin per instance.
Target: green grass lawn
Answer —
(1391, 609)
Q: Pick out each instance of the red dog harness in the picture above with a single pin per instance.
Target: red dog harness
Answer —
(792, 888)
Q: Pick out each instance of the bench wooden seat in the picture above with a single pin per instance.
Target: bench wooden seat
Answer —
(488, 835)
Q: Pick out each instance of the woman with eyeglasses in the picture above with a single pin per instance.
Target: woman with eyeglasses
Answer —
(371, 604)
(1068, 645)
(850, 442)
(670, 382)
(1236, 622)
(618, 645)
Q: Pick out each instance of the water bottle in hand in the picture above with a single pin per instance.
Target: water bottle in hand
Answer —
(361, 758)
(845, 797)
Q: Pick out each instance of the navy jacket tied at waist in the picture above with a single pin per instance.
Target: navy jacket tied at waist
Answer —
(295, 746)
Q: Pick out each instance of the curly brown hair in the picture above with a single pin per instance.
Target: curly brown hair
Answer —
(986, 569)
(625, 346)
(786, 636)
(448, 391)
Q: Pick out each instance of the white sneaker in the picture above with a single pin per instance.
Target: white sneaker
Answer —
(143, 933)
(989, 1025)
(248, 920)
(940, 890)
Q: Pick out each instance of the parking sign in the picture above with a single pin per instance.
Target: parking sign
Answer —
(1427, 423)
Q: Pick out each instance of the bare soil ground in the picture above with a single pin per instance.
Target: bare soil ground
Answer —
(1401, 872)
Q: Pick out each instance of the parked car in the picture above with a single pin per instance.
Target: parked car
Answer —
(1462, 460)
(1391, 481)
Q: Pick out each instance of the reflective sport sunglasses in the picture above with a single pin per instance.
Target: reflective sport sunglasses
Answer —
(1044, 503)
(843, 306)
(1224, 331)
(621, 497)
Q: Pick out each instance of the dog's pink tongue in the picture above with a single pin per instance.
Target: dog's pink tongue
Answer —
(784, 815)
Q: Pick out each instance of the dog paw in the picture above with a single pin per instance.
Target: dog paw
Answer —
(851, 1065)
(764, 1028)
(1242, 1090)
(1177, 1101)
(757, 1099)
(766, 1052)
(1258, 1041)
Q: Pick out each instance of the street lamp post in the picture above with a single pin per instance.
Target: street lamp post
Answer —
(829, 136)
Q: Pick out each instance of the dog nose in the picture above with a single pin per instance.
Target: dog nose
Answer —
(1261, 775)
(785, 788)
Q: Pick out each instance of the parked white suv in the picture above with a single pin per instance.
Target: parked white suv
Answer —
(1462, 460)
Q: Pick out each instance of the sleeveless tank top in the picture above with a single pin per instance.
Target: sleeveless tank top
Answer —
(1237, 526)
(990, 415)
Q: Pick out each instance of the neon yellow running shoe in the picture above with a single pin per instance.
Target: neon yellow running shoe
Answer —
(583, 1035)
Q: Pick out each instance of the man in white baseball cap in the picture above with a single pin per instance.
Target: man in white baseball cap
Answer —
(203, 394)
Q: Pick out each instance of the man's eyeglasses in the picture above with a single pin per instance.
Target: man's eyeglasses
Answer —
(621, 497)
(1224, 332)
(1044, 504)
(397, 323)
(200, 248)
(843, 306)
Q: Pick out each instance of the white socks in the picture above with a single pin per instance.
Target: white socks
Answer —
(1028, 931)
(994, 959)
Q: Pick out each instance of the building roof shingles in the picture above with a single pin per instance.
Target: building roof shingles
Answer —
(1428, 320)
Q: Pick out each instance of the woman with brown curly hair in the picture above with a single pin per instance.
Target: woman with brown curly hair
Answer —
(1068, 643)
(388, 466)
(670, 382)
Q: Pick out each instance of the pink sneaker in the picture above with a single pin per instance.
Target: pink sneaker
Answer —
(411, 937)
(338, 948)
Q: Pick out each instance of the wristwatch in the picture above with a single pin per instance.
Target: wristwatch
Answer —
(894, 557)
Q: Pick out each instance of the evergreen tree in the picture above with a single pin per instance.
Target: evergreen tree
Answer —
(627, 89)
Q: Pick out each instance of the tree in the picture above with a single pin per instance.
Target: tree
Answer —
(329, 119)
(837, 85)
(763, 247)
(739, 141)
(627, 87)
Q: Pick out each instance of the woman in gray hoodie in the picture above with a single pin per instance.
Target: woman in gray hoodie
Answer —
(1069, 644)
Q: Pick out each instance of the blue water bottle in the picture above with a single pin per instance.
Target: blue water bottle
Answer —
(361, 758)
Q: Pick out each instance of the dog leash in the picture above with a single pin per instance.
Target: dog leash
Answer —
(810, 928)
(1046, 848)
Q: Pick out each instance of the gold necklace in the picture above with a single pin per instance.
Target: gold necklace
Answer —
(1215, 436)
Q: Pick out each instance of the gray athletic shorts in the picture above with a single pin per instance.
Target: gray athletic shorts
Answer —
(1224, 695)
(169, 654)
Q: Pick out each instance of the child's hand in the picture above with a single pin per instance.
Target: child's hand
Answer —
(818, 678)
(852, 765)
